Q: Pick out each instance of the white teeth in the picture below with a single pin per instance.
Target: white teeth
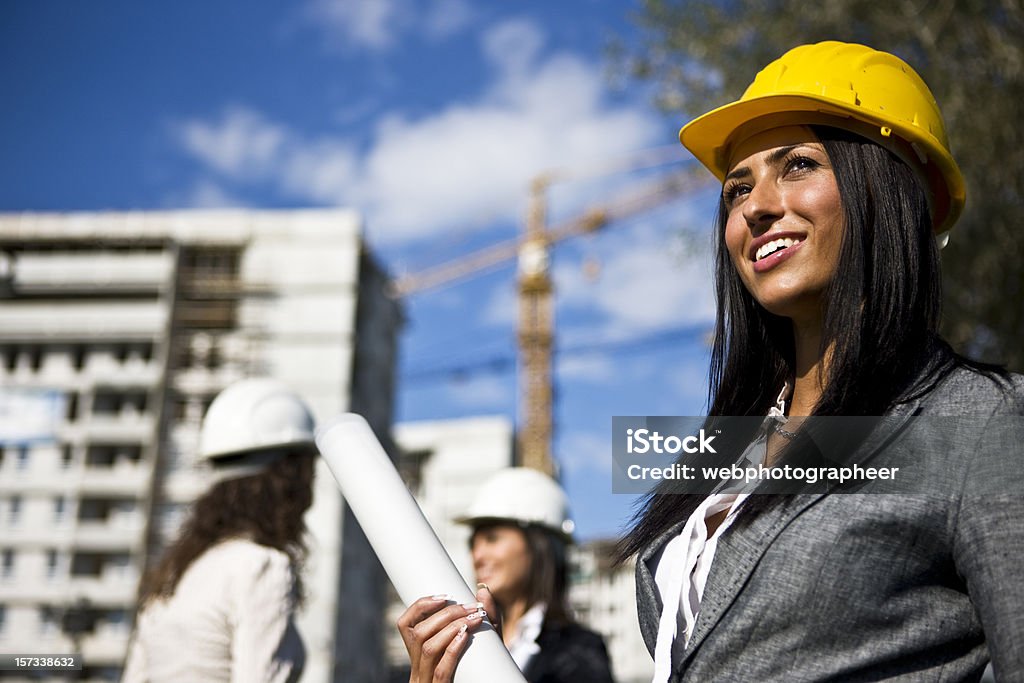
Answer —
(772, 247)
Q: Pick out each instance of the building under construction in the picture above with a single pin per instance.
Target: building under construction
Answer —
(116, 331)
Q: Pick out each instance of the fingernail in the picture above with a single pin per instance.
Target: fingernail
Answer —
(483, 585)
(442, 596)
(473, 606)
(462, 632)
(479, 614)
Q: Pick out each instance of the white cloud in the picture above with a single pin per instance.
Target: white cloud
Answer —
(352, 112)
(645, 289)
(690, 380)
(502, 308)
(447, 17)
(644, 285)
(578, 451)
(242, 144)
(470, 165)
(450, 299)
(319, 171)
(648, 280)
(462, 167)
(354, 24)
(380, 25)
(207, 194)
(595, 368)
(512, 46)
(482, 393)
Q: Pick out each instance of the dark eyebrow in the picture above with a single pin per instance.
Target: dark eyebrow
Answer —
(774, 158)
(736, 173)
(779, 154)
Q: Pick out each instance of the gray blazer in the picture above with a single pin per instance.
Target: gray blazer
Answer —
(870, 586)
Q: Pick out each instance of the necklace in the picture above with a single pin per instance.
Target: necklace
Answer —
(777, 428)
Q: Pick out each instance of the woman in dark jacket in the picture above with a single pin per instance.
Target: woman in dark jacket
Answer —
(521, 530)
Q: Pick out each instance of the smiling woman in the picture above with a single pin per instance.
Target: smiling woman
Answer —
(784, 221)
(838, 187)
(837, 178)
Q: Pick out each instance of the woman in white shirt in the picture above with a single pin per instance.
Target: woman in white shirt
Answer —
(220, 604)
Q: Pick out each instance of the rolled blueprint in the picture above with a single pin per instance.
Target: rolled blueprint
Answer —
(404, 541)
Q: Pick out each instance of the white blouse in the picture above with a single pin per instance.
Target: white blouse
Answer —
(523, 644)
(683, 572)
(230, 620)
(685, 562)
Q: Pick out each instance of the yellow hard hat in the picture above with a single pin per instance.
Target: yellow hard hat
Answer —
(849, 86)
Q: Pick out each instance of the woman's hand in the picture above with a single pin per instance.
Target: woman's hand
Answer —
(436, 634)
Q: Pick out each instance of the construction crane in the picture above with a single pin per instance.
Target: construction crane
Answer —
(532, 248)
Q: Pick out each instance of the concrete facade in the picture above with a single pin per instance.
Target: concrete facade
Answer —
(443, 463)
(116, 331)
(603, 596)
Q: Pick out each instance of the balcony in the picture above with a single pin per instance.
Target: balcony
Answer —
(130, 374)
(103, 578)
(206, 381)
(130, 429)
(124, 479)
(77, 366)
(124, 365)
(106, 272)
(32, 589)
(103, 536)
(75, 322)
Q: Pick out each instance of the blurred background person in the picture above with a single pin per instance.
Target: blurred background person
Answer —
(521, 530)
(220, 604)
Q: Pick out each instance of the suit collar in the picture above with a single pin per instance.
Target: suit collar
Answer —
(736, 557)
(738, 553)
(647, 590)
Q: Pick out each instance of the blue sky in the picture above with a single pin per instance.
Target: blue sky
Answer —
(430, 118)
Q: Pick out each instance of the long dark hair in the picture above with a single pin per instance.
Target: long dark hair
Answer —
(549, 572)
(549, 577)
(266, 508)
(880, 319)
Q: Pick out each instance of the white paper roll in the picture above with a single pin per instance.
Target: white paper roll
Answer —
(404, 541)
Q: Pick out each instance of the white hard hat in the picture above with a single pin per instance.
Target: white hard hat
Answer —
(255, 415)
(524, 496)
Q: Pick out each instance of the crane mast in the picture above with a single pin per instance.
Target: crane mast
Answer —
(536, 335)
(536, 321)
